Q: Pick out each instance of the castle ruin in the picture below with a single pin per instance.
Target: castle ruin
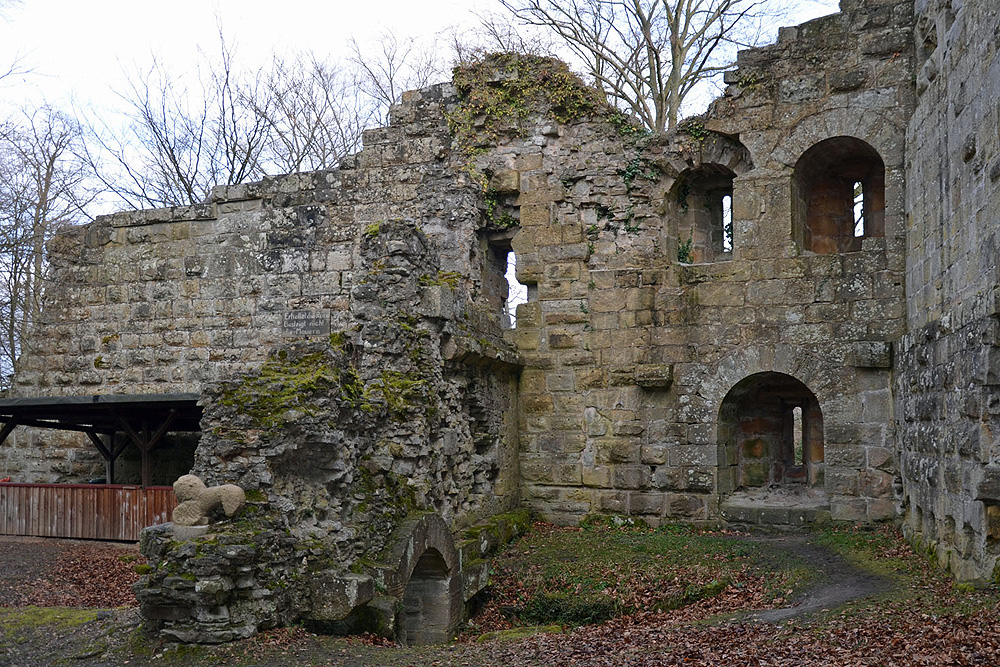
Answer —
(786, 312)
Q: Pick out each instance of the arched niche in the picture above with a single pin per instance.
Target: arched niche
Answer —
(701, 190)
(422, 572)
(428, 602)
(770, 434)
(838, 196)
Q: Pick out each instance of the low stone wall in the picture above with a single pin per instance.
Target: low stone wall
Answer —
(250, 574)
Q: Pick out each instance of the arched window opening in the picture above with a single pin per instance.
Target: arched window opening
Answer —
(704, 199)
(770, 434)
(838, 193)
(427, 602)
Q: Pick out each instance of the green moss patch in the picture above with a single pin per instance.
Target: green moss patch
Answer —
(53, 618)
(501, 90)
(287, 384)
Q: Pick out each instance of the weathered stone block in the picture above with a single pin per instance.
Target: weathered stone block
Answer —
(631, 477)
(335, 595)
(654, 376)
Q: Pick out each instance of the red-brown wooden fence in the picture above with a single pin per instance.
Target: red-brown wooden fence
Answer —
(83, 511)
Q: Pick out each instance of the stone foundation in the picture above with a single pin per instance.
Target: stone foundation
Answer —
(250, 575)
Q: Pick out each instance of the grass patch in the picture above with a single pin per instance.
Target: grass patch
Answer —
(579, 576)
(53, 618)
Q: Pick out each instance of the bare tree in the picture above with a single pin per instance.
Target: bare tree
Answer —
(43, 185)
(496, 33)
(177, 143)
(314, 113)
(648, 55)
(397, 65)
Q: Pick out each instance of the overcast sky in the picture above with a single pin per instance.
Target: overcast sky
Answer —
(80, 48)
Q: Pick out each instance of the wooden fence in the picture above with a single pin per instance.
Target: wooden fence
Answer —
(83, 511)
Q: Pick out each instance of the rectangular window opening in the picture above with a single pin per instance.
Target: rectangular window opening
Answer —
(516, 292)
(797, 436)
(859, 210)
(727, 223)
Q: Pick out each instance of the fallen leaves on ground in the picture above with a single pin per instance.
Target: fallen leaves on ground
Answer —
(926, 620)
(82, 575)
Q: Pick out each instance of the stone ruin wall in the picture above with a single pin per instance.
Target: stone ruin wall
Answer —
(383, 254)
(344, 330)
(636, 367)
(175, 300)
(630, 355)
(947, 383)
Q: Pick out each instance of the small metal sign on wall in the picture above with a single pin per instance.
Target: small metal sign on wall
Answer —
(307, 322)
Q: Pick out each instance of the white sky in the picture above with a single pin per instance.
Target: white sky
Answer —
(79, 49)
(82, 47)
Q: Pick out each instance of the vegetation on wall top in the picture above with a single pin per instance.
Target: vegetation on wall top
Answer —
(499, 91)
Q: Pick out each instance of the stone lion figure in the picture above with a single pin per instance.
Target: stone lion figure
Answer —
(196, 502)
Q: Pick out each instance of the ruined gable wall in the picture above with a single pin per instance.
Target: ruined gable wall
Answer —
(179, 300)
(948, 369)
(630, 354)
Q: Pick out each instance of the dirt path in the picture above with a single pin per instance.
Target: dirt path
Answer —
(103, 638)
(841, 581)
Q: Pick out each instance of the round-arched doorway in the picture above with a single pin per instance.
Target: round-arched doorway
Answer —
(770, 435)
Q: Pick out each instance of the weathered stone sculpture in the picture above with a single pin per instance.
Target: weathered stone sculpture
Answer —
(197, 501)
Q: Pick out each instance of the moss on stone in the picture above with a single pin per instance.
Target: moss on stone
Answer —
(256, 496)
(449, 278)
(499, 91)
(397, 390)
(286, 385)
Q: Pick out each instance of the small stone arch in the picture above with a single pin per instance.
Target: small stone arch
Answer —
(760, 445)
(424, 576)
(699, 194)
(427, 602)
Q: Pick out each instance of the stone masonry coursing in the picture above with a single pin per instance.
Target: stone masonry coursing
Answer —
(352, 371)
(825, 351)
(947, 385)
(631, 356)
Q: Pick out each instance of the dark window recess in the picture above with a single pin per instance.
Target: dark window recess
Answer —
(838, 196)
(770, 433)
(704, 202)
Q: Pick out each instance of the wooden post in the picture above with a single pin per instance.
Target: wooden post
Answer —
(147, 443)
(109, 452)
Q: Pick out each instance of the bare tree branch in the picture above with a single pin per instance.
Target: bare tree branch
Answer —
(393, 68)
(648, 55)
(179, 142)
(43, 185)
(316, 117)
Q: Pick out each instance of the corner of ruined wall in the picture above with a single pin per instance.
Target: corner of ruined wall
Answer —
(948, 370)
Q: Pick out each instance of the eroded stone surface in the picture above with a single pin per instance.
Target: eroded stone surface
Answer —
(346, 328)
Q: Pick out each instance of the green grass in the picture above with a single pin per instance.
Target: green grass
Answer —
(55, 618)
(577, 576)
